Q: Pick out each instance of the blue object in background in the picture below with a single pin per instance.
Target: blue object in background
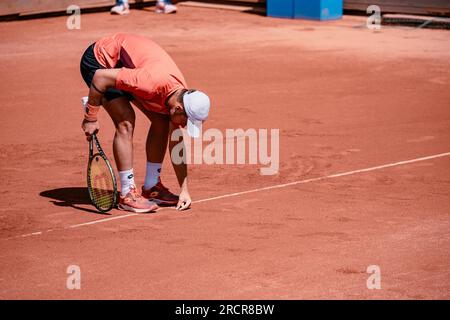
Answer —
(305, 9)
(318, 9)
(280, 8)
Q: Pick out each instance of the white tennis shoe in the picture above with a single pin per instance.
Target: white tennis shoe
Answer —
(166, 8)
(121, 9)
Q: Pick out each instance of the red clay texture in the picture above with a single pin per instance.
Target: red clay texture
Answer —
(344, 98)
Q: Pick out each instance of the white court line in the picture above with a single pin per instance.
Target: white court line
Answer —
(348, 173)
(101, 220)
(278, 186)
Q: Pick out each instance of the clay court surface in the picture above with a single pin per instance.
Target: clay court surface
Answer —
(344, 98)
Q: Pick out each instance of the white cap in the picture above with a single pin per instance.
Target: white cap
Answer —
(196, 104)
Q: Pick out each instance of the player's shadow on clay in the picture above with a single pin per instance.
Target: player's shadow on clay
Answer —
(70, 197)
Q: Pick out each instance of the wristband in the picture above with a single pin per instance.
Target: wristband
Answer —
(91, 113)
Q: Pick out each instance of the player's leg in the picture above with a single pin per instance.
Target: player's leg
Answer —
(123, 116)
(156, 147)
(157, 137)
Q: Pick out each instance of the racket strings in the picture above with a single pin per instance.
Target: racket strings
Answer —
(102, 184)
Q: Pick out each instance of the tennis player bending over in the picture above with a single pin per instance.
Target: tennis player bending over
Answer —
(125, 68)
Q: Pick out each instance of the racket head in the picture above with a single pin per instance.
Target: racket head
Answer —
(101, 183)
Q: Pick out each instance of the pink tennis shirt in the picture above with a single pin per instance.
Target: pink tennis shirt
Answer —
(147, 71)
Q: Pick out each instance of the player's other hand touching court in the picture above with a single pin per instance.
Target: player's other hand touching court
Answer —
(89, 128)
(184, 201)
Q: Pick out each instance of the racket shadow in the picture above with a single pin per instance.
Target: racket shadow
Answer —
(70, 197)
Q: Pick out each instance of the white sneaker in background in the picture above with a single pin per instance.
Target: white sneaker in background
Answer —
(166, 8)
(121, 9)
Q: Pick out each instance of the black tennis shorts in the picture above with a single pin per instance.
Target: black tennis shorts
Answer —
(89, 65)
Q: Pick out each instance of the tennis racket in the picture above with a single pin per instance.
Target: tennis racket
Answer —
(101, 181)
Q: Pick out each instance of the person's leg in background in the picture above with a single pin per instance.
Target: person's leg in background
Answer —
(122, 7)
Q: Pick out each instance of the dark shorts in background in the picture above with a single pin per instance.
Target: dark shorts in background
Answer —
(89, 65)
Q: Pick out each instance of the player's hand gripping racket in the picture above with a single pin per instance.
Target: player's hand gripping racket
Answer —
(101, 181)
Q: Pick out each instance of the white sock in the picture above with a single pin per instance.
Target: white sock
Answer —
(152, 175)
(126, 181)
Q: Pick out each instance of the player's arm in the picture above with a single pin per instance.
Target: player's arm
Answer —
(180, 170)
(103, 79)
